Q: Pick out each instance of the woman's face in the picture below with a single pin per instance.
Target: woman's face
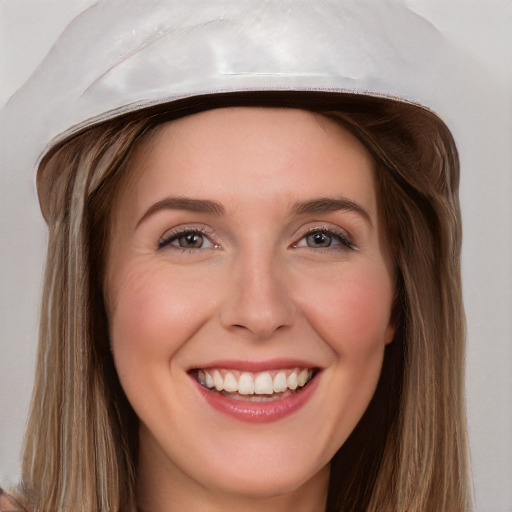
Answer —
(247, 255)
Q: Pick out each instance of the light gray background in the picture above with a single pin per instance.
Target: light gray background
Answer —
(482, 125)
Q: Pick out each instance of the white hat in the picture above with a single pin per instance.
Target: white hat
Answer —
(121, 56)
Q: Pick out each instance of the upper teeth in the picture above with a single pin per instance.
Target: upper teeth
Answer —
(247, 383)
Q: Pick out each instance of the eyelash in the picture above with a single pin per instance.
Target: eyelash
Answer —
(342, 237)
(178, 233)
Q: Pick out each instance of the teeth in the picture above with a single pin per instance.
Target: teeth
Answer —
(246, 384)
(280, 383)
(303, 377)
(218, 381)
(230, 383)
(293, 381)
(262, 383)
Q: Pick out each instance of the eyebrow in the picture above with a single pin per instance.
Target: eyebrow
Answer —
(314, 206)
(184, 203)
(330, 204)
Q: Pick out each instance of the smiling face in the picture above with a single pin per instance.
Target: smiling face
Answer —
(248, 292)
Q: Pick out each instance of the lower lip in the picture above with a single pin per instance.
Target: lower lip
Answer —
(259, 412)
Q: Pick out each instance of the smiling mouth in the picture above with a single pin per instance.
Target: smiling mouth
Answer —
(263, 386)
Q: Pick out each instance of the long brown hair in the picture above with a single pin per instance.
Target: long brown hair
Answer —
(409, 451)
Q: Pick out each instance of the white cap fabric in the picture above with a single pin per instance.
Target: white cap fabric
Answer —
(120, 56)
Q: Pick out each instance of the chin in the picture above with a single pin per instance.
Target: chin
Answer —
(262, 484)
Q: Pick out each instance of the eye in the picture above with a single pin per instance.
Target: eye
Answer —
(186, 239)
(325, 239)
(319, 240)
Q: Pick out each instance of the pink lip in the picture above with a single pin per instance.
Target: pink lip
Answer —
(256, 366)
(257, 412)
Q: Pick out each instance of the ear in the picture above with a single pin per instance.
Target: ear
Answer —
(394, 318)
(389, 333)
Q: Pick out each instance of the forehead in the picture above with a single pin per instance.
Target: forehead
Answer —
(252, 154)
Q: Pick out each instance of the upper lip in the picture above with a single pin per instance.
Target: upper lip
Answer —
(256, 366)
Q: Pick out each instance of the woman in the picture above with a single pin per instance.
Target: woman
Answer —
(253, 300)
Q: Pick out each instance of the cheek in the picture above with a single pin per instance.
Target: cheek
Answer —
(352, 310)
(152, 316)
(349, 309)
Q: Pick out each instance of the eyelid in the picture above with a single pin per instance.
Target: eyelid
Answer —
(182, 230)
(346, 240)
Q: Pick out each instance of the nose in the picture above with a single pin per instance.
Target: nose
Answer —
(257, 301)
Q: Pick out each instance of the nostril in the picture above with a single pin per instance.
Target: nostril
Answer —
(261, 332)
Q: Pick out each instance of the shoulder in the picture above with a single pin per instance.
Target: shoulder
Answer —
(7, 503)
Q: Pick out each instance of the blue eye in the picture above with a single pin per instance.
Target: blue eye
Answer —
(319, 240)
(325, 239)
(188, 239)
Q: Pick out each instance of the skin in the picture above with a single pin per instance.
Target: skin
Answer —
(257, 289)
